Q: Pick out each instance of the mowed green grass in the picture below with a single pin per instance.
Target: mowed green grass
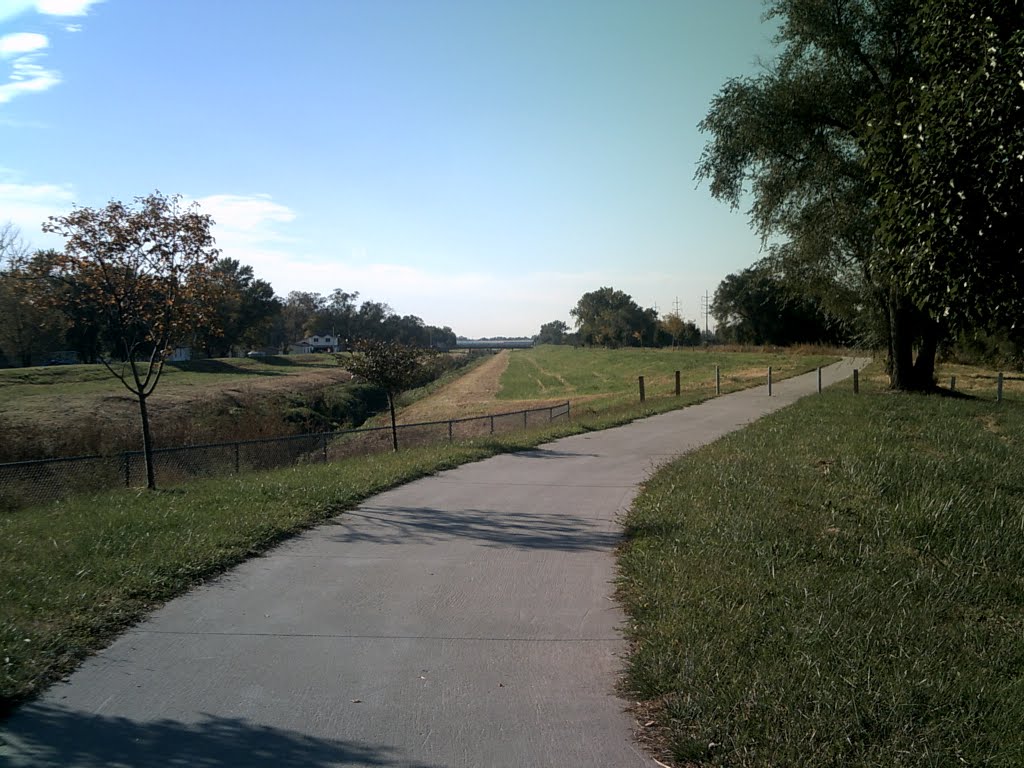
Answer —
(566, 372)
(840, 584)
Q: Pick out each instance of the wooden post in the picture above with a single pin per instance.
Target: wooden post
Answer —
(718, 380)
(999, 388)
(323, 446)
(642, 396)
(856, 381)
(449, 431)
(952, 383)
(127, 470)
(492, 425)
(524, 418)
(819, 379)
(769, 381)
(678, 388)
(236, 459)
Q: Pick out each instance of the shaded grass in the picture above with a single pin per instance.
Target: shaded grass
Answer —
(838, 585)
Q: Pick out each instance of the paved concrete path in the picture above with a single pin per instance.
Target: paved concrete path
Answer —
(465, 619)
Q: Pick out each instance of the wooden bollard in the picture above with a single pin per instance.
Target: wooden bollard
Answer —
(999, 388)
(678, 387)
(952, 383)
(856, 381)
(819, 379)
(769, 381)
(642, 395)
(718, 380)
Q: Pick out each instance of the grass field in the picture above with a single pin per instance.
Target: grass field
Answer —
(81, 409)
(561, 372)
(840, 584)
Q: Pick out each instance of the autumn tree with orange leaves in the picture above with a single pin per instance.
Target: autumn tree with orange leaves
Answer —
(146, 273)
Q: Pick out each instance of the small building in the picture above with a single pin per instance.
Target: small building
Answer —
(320, 343)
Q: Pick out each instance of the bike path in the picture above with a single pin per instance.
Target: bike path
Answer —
(463, 620)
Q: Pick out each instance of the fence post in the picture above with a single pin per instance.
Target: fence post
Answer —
(127, 470)
(999, 388)
(323, 446)
(551, 414)
(492, 425)
(769, 381)
(952, 383)
(718, 380)
(642, 397)
(524, 418)
(856, 381)
(678, 388)
(819, 379)
(236, 459)
(450, 438)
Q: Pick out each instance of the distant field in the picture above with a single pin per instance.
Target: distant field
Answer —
(548, 372)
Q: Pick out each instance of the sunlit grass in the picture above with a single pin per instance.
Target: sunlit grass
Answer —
(838, 585)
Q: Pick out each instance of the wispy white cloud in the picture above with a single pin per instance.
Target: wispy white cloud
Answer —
(22, 42)
(65, 7)
(24, 48)
(27, 77)
(246, 214)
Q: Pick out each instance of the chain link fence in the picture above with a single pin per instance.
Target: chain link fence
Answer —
(32, 482)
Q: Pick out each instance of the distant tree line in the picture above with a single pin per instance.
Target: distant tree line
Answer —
(46, 312)
(611, 318)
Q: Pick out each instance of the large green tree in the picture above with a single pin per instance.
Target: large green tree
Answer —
(245, 309)
(948, 158)
(146, 272)
(29, 326)
(792, 137)
(609, 317)
(754, 306)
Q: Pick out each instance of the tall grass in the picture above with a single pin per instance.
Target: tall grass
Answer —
(838, 585)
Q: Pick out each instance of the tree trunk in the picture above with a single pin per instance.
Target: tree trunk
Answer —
(147, 444)
(394, 427)
(908, 324)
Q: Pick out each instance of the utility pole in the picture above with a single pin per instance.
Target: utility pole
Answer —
(675, 305)
(705, 305)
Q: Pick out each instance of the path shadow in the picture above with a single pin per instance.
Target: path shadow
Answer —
(547, 453)
(522, 530)
(42, 735)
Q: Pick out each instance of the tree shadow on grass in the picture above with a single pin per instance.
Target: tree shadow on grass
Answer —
(42, 735)
(521, 530)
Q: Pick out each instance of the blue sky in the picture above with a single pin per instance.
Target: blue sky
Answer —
(480, 164)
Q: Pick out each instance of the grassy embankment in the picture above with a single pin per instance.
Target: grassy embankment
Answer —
(838, 585)
(73, 573)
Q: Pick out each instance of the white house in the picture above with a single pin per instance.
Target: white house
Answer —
(321, 343)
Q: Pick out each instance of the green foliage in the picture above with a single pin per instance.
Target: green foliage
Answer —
(948, 156)
(755, 307)
(245, 308)
(611, 318)
(837, 585)
(392, 366)
(793, 136)
(555, 332)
